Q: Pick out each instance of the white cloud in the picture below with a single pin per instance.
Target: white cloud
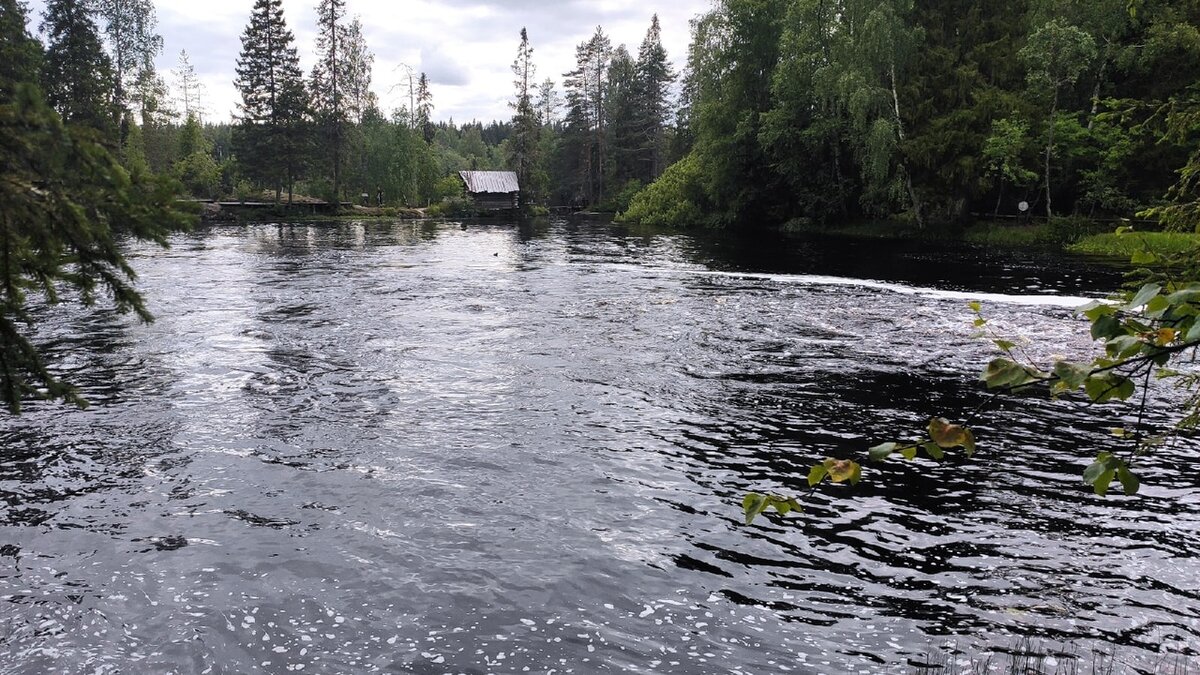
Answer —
(465, 46)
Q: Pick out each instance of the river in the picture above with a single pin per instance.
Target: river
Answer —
(426, 448)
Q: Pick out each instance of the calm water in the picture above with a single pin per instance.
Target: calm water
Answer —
(425, 449)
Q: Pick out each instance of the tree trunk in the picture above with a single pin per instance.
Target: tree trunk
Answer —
(912, 192)
(1049, 150)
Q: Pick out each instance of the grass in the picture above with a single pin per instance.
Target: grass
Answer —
(1125, 245)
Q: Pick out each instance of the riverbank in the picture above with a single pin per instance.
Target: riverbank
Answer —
(1071, 235)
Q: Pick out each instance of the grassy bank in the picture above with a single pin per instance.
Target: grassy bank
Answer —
(1075, 235)
(1125, 245)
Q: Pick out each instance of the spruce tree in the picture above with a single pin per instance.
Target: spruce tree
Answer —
(269, 138)
(77, 74)
(653, 89)
(20, 54)
(66, 233)
(328, 85)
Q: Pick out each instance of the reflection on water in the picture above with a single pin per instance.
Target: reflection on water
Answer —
(428, 448)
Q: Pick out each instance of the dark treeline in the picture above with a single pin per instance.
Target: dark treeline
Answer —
(825, 110)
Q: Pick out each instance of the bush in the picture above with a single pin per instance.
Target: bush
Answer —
(454, 207)
(671, 201)
(619, 202)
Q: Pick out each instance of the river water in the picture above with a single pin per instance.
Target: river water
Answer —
(426, 448)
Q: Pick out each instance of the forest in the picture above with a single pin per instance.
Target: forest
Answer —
(932, 112)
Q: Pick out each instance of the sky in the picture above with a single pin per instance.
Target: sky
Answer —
(465, 47)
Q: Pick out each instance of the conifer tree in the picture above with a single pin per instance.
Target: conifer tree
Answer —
(64, 199)
(20, 54)
(523, 144)
(77, 74)
(328, 85)
(269, 139)
(424, 102)
(654, 79)
(359, 62)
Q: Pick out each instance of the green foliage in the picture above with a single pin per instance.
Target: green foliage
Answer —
(64, 202)
(77, 74)
(272, 136)
(674, 200)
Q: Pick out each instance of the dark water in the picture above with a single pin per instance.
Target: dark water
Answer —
(417, 448)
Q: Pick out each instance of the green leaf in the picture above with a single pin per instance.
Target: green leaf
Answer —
(1183, 297)
(817, 474)
(1193, 333)
(1144, 296)
(1072, 375)
(976, 307)
(1105, 327)
(753, 504)
(1129, 481)
(882, 451)
(1093, 472)
(969, 444)
(909, 453)
(1005, 345)
(1104, 482)
(1109, 386)
(1143, 257)
(1157, 307)
(934, 451)
(1123, 346)
(1004, 372)
(1095, 310)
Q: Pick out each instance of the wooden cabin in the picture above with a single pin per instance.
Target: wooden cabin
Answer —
(492, 190)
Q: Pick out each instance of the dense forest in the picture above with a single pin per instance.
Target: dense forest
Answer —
(803, 111)
(819, 110)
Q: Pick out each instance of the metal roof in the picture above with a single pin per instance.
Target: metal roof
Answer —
(496, 182)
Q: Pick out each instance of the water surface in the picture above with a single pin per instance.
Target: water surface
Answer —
(422, 448)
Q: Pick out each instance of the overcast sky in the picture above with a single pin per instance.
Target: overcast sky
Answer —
(465, 46)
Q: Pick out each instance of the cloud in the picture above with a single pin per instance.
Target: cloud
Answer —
(464, 46)
(441, 67)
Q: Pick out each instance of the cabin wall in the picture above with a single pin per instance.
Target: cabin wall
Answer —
(488, 201)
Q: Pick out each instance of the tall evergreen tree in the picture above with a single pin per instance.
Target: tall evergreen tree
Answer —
(64, 233)
(524, 142)
(654, 79)
(424, 108)
(622, 102)
(587, 120)
(359, 62)
(77, 74)
(270, 136)
(329, 87)
(20, 54)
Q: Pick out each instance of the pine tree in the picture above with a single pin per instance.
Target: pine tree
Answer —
(654, 79)
(548, 103)
(76, 74)
(328, 85)
(269, 139)
(524, 142)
